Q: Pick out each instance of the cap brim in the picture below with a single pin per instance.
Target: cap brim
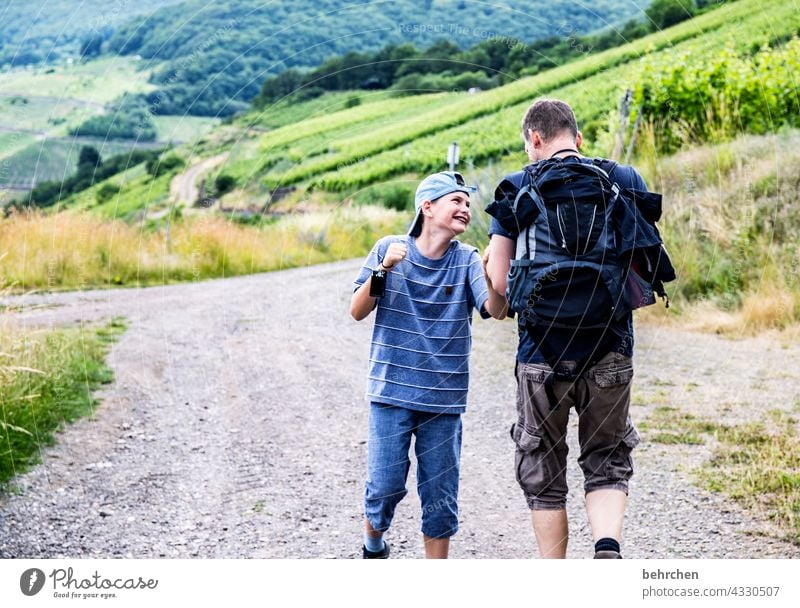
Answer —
(416, 226)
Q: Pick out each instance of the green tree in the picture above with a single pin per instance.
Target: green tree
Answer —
(89, 156)
(664, 13)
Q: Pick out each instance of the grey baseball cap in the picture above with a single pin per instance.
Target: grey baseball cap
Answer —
(433, 187)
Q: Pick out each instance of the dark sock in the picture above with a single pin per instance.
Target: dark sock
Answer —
(606, 544)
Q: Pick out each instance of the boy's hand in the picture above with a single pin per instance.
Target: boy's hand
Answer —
(394, 255)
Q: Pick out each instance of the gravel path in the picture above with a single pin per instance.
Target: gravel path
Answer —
(236, 427)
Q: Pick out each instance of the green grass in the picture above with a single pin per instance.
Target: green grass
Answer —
(183, 128)
(99, 81)
(757, 464)
(53, 159)
(53, 116)
(47, 381)
(282, 113)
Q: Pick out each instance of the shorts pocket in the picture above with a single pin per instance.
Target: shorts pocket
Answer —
(525, 439)
(619, 466)
(615, 375)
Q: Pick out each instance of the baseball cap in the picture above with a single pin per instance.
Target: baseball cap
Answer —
(433, 187)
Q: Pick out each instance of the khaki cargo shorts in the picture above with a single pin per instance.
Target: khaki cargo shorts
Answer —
(601, 397)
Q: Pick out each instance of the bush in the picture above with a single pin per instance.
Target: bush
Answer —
(664, 13)
(690, 98)
(106, 192)
(161, 166)
(224, 183)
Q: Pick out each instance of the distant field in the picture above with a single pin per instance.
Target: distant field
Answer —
(98, 81)
(183, 128)
(52, 159)
(52, 115)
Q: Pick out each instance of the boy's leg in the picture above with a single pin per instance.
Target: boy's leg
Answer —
(390, 430)
(438, 451)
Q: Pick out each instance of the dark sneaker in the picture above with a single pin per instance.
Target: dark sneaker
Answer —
(377, 554)
(607, 555)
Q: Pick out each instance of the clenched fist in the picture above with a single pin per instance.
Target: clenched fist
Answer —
(394, 255)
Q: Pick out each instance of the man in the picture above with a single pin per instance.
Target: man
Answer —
(599, 393)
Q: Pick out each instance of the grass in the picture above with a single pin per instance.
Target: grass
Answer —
(757, 464)
(79, 250)
(46, 381)
(98, 81)
(53, 159)
(732, 225)
(183, 128)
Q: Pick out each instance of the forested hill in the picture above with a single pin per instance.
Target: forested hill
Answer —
(54, 30)
(219, 54)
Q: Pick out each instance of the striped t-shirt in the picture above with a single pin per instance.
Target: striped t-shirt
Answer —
(423, 327)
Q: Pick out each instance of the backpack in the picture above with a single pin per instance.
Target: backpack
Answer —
(588, 251)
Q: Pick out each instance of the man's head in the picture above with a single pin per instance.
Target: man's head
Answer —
(444, 198)
(547, 122)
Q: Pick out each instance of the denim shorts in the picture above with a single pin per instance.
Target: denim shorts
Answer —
(438, 451)
(601, 397)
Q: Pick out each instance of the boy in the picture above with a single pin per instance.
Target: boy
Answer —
(418, 369)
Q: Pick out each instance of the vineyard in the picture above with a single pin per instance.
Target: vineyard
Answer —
(356, 147)
(342, 142)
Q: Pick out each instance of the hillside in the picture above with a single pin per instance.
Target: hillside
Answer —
(317, 175)
(217, 55)
(40, 109)
(54, 31)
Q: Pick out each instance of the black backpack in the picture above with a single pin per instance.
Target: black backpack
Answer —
(588, 251)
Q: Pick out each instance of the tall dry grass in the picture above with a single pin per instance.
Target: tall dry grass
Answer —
(78, 250)
(732, 225)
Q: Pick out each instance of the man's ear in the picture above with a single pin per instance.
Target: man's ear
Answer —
(426, 207)
(579, 140)
(535, 139)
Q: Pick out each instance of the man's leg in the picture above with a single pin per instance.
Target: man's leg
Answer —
(607, 438)
(438, 451)
(552, 532)
(541, 456)
(606, 510)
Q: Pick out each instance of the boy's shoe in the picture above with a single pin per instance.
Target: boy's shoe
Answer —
(377, 554)
(607, 555)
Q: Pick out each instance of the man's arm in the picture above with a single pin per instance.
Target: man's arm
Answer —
(496, 262)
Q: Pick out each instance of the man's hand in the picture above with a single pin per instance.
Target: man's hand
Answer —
(485, 259)
(395, 254)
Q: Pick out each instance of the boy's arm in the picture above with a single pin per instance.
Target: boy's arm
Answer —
(361, 304)
(496, 262)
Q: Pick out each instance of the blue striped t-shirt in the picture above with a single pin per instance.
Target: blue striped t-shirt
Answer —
(422, 337)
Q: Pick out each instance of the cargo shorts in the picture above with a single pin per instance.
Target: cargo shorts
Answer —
(601, 398)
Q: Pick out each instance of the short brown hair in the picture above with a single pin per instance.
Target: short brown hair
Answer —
(549, 117)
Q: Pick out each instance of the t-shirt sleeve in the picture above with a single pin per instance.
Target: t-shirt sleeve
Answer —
(477, 291)
(628, 177)
(496, 228)
(372, 261)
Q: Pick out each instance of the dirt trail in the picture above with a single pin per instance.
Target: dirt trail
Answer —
(184, 188)
(236, 427)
